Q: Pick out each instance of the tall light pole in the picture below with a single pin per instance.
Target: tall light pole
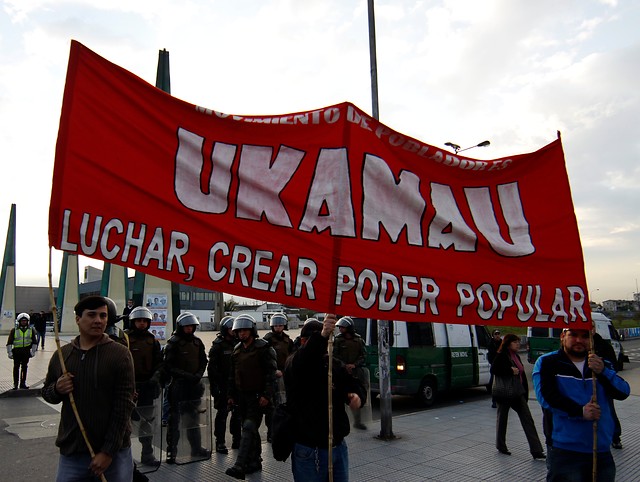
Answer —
(384, 378)
(457, 148)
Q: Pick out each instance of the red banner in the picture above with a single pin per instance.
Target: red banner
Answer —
(327, 209)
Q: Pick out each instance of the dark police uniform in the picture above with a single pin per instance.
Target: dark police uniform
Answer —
(218, 370)
(147, 359)
(251, 376)
(185, 362)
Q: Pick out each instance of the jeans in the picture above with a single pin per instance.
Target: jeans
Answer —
(310, 464)
(40, 338)
(75, 468)
(569, 466)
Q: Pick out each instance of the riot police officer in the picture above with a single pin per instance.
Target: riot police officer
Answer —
(283, 346)
(253, 367)
(218, 370)
(185, 362)
(21, 345)
(115, 333)
(349, 348)
(147, 359)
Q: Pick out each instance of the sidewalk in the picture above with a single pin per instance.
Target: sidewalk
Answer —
(452, 443)
(37, 369)
(447, 443)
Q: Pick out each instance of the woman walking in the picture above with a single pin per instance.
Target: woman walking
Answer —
(507, 368)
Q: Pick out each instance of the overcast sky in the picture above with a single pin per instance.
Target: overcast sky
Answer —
(510, 71)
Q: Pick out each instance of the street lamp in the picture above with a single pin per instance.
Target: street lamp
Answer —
(457, 148)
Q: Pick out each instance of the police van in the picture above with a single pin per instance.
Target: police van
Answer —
(544, 340)
(428, 358)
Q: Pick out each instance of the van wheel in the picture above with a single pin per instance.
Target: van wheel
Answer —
(427, 394)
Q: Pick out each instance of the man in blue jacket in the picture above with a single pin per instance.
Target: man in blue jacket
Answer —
(563, 385)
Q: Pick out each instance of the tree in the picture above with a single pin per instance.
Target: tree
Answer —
(230, 305)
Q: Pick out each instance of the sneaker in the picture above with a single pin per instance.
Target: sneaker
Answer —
(493, 405)
(165, 423)
(24, 386)
(171, 459)
(539, 455)
(15, 387)
(236, 472)
(221, 448)
(617, 445)
(360, 426)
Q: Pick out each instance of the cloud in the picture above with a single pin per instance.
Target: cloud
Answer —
(510, 71)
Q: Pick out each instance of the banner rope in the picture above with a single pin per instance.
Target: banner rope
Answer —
(56, 334)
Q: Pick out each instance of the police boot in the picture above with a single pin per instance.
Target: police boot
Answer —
(357, 421)
(147, 457)
(221, 447)
(23, 379)
(171, 458)
(236, 472)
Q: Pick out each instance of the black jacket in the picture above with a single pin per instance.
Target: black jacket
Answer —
(501, 367)
(305, 378)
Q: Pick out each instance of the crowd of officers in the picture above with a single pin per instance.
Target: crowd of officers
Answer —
(245, 376)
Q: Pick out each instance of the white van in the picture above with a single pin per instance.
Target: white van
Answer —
(544, 340)
(427, 358)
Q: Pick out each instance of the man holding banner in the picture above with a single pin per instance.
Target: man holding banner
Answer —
(564, 387)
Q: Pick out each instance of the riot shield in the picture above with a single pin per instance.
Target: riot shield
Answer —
(364, 415)
(146, 436)
(189, 436)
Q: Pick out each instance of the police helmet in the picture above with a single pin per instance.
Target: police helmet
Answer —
(23, 316)
(140, 313)
(346, 322)
(278, 319)
(112, 311)
(187, 319)
(226, 325)
(245, 322)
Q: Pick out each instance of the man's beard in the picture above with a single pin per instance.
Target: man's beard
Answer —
(578, 354)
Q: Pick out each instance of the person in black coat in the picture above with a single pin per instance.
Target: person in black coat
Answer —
(306, 379)
(492, 351)
(604, 350)
(507, 364)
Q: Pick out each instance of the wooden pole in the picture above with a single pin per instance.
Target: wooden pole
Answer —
(330, 406)
(56, 333)
(594, 398)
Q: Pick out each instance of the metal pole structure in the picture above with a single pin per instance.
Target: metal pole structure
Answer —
(384, 378)
(373, 61)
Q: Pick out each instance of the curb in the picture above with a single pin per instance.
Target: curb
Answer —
(32, 391)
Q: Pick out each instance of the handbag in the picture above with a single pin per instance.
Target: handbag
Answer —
(282, 432)
(507, 387)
